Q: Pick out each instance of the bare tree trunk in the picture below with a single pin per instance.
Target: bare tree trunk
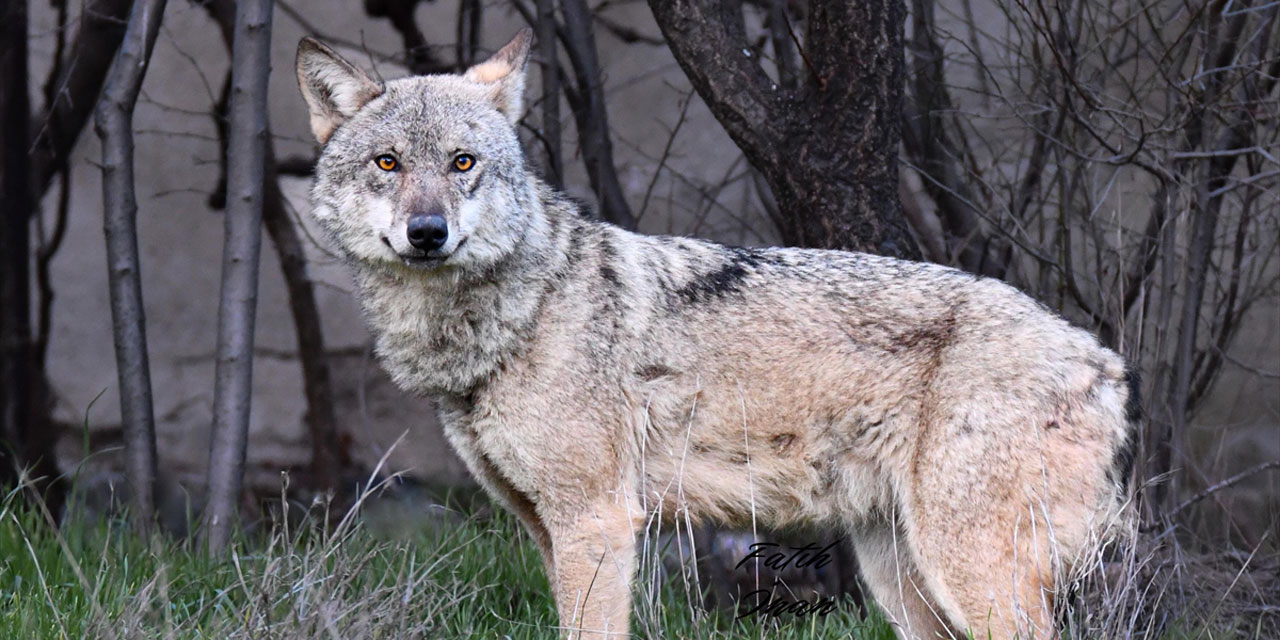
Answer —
(1170, 449)
(328, 456)
(114, 124)
(825, 137)
(550, 91)
(829, 149)
(15, 250)
(1157, 457)
(586, 99)
(591, 115)
(467, 38)
(70, 92)
(251, 64)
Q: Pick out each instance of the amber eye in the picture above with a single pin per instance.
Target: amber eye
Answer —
(464, 162)
(386, 162)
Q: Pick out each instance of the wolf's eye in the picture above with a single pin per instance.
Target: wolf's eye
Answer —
(386, 162)
(464, 162)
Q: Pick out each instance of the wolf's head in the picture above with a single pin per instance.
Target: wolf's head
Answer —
(424, 171)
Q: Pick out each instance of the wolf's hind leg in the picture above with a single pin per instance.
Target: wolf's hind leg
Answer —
(987, 558)
(594, 559)
(891, 575)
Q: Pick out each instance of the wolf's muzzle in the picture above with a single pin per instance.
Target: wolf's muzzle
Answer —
(427, 232)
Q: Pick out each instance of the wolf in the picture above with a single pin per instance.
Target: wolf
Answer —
(973, 445)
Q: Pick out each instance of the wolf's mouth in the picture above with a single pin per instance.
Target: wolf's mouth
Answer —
(423, 259)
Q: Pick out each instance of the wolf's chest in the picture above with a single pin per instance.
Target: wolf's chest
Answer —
(429, 343)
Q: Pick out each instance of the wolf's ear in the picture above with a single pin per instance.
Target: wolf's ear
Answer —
(333, 88)
(505, 72)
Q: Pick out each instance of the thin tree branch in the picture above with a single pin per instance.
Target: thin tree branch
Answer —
(1224, 484)
(74, 91)
(467, 38)
(417, 51)
(666, 152)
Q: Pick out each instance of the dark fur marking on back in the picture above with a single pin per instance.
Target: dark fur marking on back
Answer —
(576, 234)
(608, 255)
(651, 372)
(727, 278)
(931, 338)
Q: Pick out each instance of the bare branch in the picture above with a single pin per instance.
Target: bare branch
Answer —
(626, 33)
(708, 39)
(467, 39)
(666, 152)
(75, 89)
(417, 51)
(1224, 484)
(932, 145)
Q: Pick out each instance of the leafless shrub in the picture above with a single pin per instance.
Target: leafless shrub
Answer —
(1117, 161)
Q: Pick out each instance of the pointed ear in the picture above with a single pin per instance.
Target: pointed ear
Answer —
(333, 88)
(505, 72)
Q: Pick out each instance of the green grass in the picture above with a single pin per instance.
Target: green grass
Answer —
(477, 577)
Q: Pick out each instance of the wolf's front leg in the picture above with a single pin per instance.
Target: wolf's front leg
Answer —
(594, 562)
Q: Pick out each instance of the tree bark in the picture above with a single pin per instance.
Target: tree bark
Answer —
(591, 115)
(114, 125)
(467, 33)
(829, 149)
(251, 64)
(328, 456)
(15, 249)
(828, 144)
(550, 91)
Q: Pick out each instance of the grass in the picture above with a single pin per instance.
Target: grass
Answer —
(479, 576)
(472, 572)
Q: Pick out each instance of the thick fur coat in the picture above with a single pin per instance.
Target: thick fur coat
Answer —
(973, 445)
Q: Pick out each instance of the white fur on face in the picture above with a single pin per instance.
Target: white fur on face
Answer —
(380, 215)
(469, 215)
(490, 236)
(359, 222)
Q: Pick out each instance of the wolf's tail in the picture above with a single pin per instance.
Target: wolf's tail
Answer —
(1122, 462)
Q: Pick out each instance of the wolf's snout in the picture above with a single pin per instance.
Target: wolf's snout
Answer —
(428, 232)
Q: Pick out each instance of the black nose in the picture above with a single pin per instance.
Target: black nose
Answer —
(428, 231)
